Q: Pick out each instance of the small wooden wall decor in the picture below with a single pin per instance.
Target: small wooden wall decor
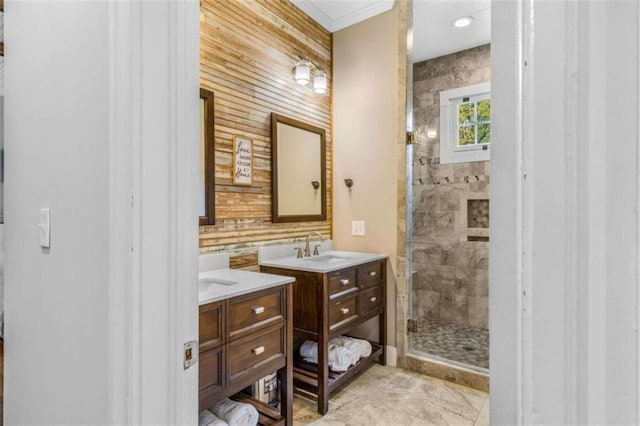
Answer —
(242, 161)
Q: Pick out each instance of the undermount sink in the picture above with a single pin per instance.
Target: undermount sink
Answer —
(205, 282)
(328, 258)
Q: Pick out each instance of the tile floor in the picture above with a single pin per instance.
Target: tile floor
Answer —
(465, 344)
(392, 396)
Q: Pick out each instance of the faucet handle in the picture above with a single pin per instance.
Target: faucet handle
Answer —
(299, 252)
(315, 250)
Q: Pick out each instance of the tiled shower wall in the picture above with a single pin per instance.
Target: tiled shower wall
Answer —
(450, 237)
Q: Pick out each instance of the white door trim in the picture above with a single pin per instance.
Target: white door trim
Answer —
(154, 82)
(565, 214)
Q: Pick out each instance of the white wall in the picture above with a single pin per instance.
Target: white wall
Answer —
(565, 224)
(57, 151)
(101, 119)
(365, 88)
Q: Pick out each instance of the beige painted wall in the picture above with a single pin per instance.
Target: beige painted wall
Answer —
(365, 122)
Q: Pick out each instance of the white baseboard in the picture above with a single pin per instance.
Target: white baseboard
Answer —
(391, 356)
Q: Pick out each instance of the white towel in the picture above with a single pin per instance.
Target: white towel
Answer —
(360, 347)
(235, 413)
(207, 418)
(340, 358)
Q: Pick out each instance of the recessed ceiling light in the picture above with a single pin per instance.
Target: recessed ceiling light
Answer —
(465, 21)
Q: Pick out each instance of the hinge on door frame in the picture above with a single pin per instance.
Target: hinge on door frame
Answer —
(412, 326)
(411, 138)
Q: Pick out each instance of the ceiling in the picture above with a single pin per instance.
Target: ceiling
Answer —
(335, 15)
(433, 35)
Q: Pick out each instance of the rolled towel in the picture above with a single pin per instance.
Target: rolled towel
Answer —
(235, 413)
(207, 418)
(309, 349)
(340, 358)
(360, 347)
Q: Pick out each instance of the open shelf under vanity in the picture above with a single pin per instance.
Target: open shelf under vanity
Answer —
(305, 374)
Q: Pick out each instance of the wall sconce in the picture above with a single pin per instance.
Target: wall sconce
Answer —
(348, 182)
(315, 184)
(302, 73)
(320, 82)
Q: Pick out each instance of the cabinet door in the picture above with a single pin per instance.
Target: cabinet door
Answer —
(210, 375)
(211, 325)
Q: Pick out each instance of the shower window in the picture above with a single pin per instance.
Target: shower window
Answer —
(465, 126)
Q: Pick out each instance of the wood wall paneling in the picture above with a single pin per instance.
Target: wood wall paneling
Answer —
(247, 52)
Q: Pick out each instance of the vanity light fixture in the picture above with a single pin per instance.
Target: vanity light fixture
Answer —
(302, 72)
(320, 82)
(462, 22)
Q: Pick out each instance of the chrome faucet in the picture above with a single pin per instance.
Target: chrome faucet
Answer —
(307, 250)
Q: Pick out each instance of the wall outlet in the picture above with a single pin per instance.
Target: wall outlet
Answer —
(357, 228)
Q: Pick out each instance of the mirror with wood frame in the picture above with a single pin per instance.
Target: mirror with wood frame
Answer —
(298, 166)
(207, 194)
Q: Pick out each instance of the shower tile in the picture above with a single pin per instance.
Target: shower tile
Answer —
(479, 283)
(454, 308)
(478, 213)
(444, 222)
(428, 305)
(479, 312)
(461, 343)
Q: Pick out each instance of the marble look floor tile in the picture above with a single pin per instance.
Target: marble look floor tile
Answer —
(483, 417)
(392, 396)
(443, 415)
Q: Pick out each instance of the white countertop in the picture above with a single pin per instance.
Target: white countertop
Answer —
(224, 283)
(327, 261)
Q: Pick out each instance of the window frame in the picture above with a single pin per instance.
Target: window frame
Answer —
(450, 151)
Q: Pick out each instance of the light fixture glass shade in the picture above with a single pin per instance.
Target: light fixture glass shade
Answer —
(320, 82)
(302, 72)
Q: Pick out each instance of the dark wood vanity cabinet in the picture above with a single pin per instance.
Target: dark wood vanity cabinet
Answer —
(327, 305)
(243, 339)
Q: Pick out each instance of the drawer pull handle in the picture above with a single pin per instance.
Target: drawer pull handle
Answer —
(344, 281)
(258, 310)
(258, 350)
(373, 299)
(345, 311)
(372, 273)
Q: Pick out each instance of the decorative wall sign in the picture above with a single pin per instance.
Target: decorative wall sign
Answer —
(242, 161)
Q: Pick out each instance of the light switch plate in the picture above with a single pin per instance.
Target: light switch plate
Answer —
(357, 228)
(44, 228)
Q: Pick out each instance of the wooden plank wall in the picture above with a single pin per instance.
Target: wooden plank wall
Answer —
(247, 52)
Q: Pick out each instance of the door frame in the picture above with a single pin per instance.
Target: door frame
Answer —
(153, 244)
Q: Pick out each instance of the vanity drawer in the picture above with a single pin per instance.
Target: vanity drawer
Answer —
(210, 370)
(370, 274)
(254, 351)
(342, 311)
(254, 311)
(341, 281)
(370, 299)
(211, 325)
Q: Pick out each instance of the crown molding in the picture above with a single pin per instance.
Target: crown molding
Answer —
(367, 10)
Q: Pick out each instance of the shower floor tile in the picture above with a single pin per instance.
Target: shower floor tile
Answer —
(461, 343)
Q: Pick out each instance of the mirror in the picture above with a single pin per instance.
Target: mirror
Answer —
(207, 188)
(298, 171)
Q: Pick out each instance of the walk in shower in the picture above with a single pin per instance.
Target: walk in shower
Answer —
(449, 205)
